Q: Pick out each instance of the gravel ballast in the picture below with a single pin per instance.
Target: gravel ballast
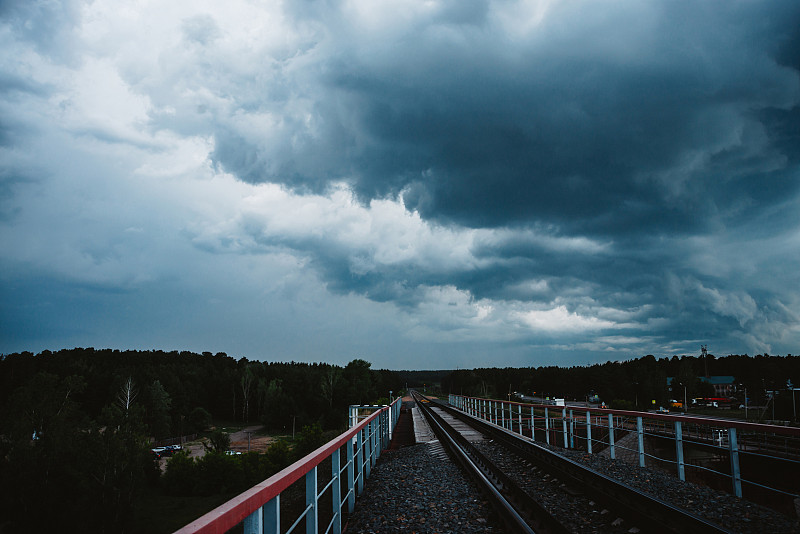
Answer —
(419, 489)
(414, 489)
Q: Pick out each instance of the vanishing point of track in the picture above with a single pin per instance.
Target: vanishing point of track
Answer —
(519, 509)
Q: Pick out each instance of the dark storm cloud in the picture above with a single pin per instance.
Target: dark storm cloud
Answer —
(622, 125)
(527, 178)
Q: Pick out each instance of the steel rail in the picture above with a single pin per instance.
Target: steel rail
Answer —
(649, 513)
(517, 510)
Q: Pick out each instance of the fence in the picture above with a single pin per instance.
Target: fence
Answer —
(352, 455)
(719, 447)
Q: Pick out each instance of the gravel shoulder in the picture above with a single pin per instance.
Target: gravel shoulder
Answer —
(412, 490)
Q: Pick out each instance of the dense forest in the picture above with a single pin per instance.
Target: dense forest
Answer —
(76, 426)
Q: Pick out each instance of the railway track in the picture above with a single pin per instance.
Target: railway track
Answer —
(536, 490)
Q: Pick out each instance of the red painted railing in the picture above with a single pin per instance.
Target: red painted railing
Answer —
(259, 507)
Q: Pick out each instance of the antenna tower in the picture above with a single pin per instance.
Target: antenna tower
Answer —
(704, 353)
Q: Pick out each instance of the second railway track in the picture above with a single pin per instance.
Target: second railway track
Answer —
(536, 490)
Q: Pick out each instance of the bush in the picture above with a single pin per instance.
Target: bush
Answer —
(276, 458)
(219, 440)
(219, 473)
(181, 476)
(309, 440)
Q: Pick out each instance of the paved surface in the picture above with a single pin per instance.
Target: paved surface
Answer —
(422, 432)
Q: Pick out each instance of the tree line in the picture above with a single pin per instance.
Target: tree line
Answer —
(640, 382)
(76, 427)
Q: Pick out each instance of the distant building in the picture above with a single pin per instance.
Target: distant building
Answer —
(724, 385)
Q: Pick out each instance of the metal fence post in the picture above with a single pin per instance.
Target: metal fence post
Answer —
(564, 425)
(640, 432)
(679, 450)
(611, 436)
(571, 430)
(735, 473)
(272, 515)
(533, 425)
(336, 491)
(368, 443)
(589, 431)
(254, 523)
(362, 442)
(546, 426)
(519, 418)
(351, 481)
(311, 500)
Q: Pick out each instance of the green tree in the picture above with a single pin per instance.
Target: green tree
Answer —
(358, 377)
(309, 440)
(159, 404)
(219, 441)
(199, 420)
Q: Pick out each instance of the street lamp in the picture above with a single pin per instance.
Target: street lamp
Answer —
(685, 407)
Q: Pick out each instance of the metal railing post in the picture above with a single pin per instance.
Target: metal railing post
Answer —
(360, 461)
(640, 432)
(611, 436)
(735, 473)
(351, 480)
(370, 443)
(546, 427)
(336, 491)
(272, 515)
(311, 500)
(571, 430)
(533, 425)
(564, 426)
(589, 431)
(386, 429)
(679, 450)
(519, 418)
(254, 523)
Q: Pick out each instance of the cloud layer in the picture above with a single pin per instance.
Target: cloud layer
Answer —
(451, 183)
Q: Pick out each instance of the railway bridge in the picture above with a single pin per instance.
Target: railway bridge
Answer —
(532, 468)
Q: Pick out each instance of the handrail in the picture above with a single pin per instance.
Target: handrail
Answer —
(710, 421)
(251, 501)
(736, 439)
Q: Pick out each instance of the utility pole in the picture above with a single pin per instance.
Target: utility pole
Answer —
(745, 404)
(685, 406)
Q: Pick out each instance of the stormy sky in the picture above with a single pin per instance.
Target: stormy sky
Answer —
(422, 184)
